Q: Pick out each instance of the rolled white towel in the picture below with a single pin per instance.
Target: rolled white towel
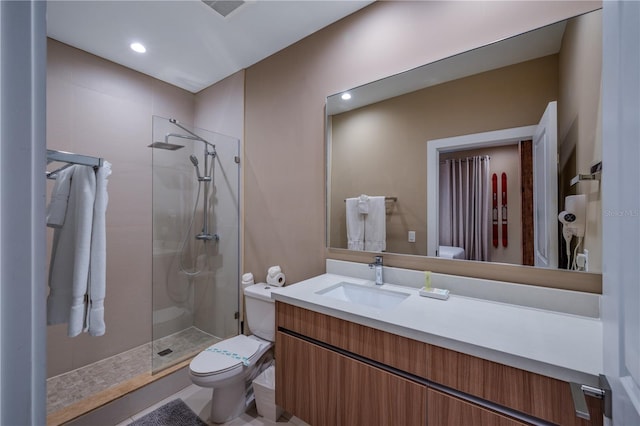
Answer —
(273, 271)
(247, 279)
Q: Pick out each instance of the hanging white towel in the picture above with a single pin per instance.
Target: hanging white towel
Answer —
(98, 262)
(70, 257)
(375, 227)
(363, 204)
(77, 275)
(355, 225)
(57, 208)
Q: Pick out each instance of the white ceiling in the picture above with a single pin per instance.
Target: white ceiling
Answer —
(188, 44)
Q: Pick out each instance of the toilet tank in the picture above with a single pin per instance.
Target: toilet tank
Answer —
(261, 311)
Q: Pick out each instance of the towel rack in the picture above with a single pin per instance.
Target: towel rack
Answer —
(394, 199)
(71, 159)
(596, 172)
(388, 206)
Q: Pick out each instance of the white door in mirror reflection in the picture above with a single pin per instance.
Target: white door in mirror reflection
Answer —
(545, 188)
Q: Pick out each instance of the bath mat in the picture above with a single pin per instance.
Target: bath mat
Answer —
(174, 413)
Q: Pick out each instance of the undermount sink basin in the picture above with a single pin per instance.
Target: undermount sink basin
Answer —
(362, 295)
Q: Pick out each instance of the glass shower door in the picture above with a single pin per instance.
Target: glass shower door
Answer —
(195, 240)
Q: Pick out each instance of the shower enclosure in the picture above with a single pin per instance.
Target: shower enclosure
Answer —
(195, 240)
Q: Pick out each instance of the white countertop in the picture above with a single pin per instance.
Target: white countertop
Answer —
(555, 344)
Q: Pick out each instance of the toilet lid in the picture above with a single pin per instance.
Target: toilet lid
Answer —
(224, 355)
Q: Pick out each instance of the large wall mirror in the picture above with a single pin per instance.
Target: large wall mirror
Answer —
(414, 137)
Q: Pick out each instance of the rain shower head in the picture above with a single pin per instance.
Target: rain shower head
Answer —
(165, 145)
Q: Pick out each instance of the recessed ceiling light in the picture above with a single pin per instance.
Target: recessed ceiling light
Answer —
(138, 47)
(346, 96)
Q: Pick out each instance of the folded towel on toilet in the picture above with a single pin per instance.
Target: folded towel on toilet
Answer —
(231, 351)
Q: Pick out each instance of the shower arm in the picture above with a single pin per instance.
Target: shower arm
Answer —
(193, 135)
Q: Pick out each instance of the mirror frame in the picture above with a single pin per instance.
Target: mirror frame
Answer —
(554, 278)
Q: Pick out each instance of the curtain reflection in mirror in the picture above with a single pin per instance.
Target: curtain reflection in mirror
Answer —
(465, 198)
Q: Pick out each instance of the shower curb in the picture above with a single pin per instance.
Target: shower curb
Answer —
(122, 401)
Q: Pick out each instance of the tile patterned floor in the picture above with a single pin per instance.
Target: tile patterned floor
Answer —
(68, 388)
(199, 399)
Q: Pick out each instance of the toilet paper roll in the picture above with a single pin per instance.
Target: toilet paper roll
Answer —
(278, 280)
(273, 271)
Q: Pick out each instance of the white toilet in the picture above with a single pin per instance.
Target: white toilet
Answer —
(449, 252)
(230, 366)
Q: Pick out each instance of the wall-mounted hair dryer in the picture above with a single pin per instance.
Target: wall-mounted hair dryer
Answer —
(573, 220)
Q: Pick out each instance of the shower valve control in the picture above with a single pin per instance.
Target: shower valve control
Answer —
(208, 237)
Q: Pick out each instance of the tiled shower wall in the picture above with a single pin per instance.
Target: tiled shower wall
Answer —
(98, 108)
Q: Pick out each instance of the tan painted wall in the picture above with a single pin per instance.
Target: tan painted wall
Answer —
(382, 149)
(579, 122)
(98, 108)
(285, 95)
(215, 315)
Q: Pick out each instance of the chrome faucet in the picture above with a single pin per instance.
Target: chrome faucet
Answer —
(378, 265)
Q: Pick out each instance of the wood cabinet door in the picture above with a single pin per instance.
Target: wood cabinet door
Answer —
(371, 396)
(323, 387)
(444, 410)
(307, 380)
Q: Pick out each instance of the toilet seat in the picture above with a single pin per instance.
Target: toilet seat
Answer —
(225, 356)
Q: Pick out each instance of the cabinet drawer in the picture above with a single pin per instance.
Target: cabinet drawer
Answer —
(395, 351)
(533, 394)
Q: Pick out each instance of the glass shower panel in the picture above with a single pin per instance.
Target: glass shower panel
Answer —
(196, 242)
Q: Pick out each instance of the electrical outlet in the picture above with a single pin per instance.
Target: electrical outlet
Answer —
(412, 236)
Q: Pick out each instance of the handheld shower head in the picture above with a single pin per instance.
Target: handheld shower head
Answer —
(194, 161)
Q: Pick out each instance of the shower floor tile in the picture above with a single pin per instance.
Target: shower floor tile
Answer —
(183, 345)
(73, 386)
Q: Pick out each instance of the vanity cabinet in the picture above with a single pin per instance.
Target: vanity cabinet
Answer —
(337, 372)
